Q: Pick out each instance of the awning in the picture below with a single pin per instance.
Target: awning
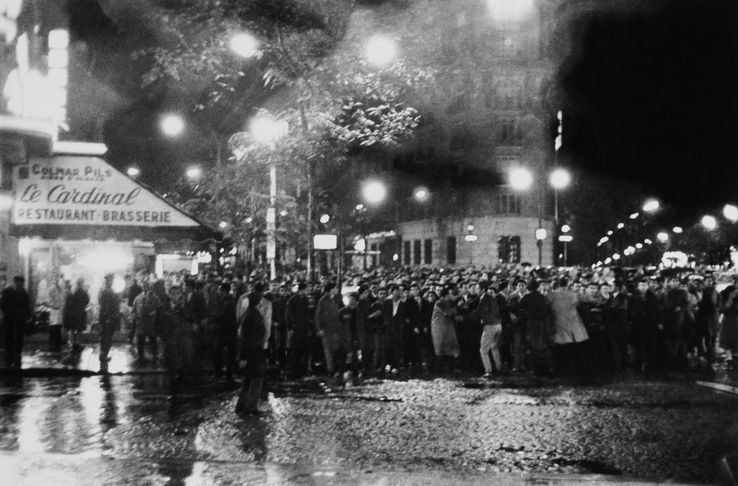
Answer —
(77, 197)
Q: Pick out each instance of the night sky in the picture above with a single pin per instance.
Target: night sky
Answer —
(650, 98)
(653, 100)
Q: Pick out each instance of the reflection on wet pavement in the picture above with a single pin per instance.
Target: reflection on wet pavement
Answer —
(125, 430)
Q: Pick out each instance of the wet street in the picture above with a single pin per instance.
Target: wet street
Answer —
(124, 429)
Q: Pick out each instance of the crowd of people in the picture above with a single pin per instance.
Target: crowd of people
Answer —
(588, 324)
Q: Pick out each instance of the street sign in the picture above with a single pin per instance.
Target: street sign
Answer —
(566, 238)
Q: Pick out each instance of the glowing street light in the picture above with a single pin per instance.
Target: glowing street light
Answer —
(560, 179)
(651, 206)
(709, 222)
(133, 171)
(374, 192)
(193, 173)
(566, 228)
(663, 236)
(678, 230)
(172, 125)
(223, 225)
(520, 179)
(616, 256)
(621, 225)
(324, 218)
(730, 211)
(421, 194)
(244, 44)
(634, 216)
(380, 50)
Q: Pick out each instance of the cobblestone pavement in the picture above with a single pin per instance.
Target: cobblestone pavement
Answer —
(124, 430)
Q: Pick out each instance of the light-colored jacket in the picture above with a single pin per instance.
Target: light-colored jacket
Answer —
(568, 325)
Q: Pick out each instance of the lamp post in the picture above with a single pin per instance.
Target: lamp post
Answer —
(559, 179)
(373, 193)
(710, 224)
(266, 129)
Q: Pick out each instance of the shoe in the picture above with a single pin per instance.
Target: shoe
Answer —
(487, 376)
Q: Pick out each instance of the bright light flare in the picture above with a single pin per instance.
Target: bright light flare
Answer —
(223, 225)
(133, 172)
(730, 211)
(560, 179)
(621, 225)
(708, 222)
(521, 179)
(678, 230)
(172, 125)
(663, 236)
(380, 50)
(566, 228)
(634, 216)
(325, 218)
(374, 192)
(244, 44)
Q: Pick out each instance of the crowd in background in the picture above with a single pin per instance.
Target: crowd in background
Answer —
(573, 321)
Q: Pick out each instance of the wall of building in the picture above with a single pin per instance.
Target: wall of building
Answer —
(484, 250)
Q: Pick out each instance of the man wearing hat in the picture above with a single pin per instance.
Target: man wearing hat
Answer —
(16, 307)
(109, 318)
(297, 330)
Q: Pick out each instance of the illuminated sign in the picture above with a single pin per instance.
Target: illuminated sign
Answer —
(65, 190)
(325, 242)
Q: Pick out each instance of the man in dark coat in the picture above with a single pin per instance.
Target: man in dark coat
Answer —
(394, 321)
(252, 330)
(226, 331)
(536, 310)
(644, 314)
(74, 315)
(297, 330)
(16, 307)
(411, 329)
(109, 304)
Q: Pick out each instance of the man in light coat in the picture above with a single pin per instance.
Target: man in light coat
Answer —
(568, 328)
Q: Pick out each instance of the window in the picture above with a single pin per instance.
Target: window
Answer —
(508, 94)
(508, 203)
(416, 252)
(428, 252)
(508, 249)
(406, 248)
(509, 132)
(451, 250)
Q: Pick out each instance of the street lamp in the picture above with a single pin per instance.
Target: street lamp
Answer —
(172, 125)
(324, 218)
(730, 212)
(374, 192)
(651, 206)
(380, 50)
(244, 44)
(520, 179)
(566, 228)
(133, 172)
(223, 225)
(193, 173)
(678, 230)
(421, 194)
(663, 237)
(708, 222)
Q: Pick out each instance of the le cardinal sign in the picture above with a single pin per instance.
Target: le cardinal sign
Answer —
(74, 190)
